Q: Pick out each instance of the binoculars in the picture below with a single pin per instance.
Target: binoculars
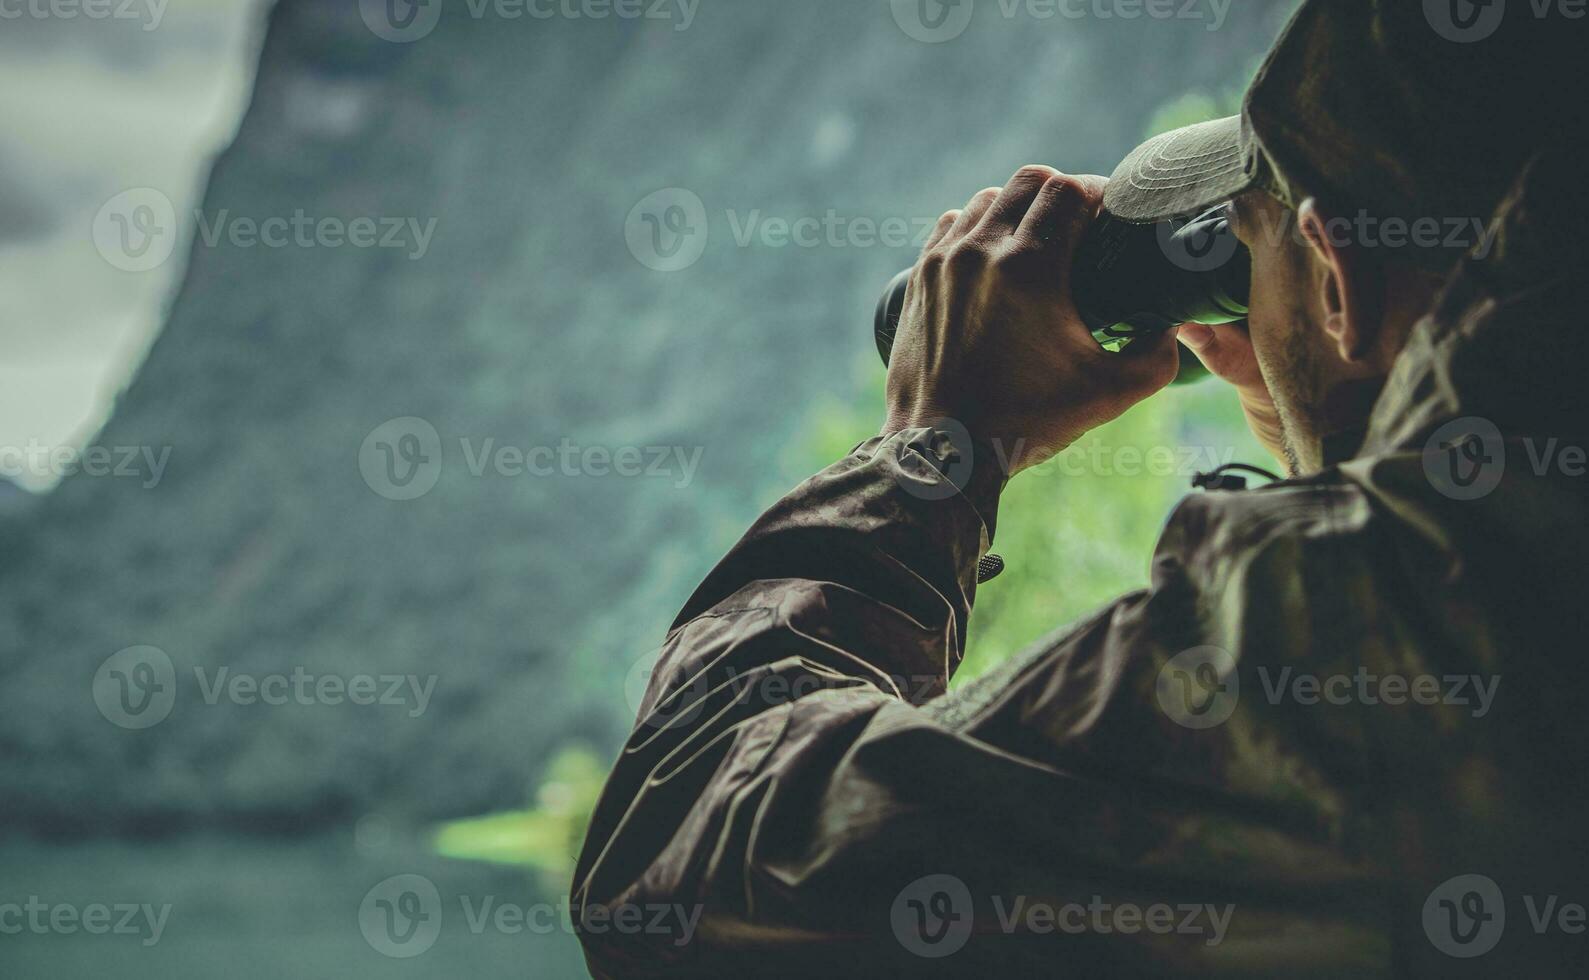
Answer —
(1133, 281)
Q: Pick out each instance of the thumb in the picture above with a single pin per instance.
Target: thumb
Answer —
(1226, 350)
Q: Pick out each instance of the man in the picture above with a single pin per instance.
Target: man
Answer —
(1340, 734)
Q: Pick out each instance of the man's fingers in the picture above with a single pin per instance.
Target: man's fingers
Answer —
(942, 229)
(1063, 209)
(1004, 216)
(974, 210)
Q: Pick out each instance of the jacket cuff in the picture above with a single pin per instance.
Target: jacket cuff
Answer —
(945, 462)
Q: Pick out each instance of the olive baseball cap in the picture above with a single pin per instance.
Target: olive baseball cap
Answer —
(1402, 109)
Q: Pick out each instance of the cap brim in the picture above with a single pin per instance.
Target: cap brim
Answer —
(1179, 173)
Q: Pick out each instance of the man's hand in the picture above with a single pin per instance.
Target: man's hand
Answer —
(989, 335)
(1226, 350)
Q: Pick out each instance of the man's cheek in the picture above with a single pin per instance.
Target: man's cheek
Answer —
(1265, 304)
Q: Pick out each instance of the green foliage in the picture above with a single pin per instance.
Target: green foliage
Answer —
(544, 837)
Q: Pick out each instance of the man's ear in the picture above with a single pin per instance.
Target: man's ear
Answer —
(1348, 284)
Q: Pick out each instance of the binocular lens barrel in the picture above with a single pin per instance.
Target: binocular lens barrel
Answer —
(1131, 281)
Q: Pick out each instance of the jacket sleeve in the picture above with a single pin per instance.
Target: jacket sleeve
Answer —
(786, 803)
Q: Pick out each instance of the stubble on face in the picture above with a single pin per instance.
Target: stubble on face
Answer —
(1283, 334)
(1294, 385)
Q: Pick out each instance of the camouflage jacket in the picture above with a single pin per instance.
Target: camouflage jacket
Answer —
(1339, 734)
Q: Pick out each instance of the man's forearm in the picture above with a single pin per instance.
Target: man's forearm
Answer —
(902, 520)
